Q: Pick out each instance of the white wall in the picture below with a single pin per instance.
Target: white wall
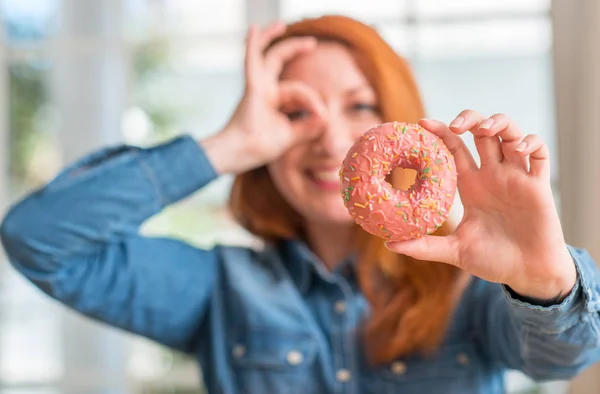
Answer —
(577, 79)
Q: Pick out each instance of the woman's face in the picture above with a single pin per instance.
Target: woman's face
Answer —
(307, 174)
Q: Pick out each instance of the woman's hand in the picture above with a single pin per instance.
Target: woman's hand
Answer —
(258, 131)
(510, 232)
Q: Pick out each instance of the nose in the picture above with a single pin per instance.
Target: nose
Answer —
(336, 137)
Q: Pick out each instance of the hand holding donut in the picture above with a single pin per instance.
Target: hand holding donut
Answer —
(510, 232)
(258, 131)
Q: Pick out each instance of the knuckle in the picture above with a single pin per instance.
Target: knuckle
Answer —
(427, 244)
(535, 139)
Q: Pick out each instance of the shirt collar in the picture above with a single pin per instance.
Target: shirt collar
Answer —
(304, 266)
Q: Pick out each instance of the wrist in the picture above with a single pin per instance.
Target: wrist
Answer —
(544, 296)
(553, 289)
(227, 151)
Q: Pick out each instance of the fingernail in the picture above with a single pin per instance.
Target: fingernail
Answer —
(486, 124)
(457, 122)
(521, 147)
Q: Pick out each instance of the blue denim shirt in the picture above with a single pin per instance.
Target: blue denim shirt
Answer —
(271, 320)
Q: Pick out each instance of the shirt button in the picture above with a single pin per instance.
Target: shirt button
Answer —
(343, 375)
(340, 307)
(239, 351)
(398, 368)
(294, 357)
(462, 359)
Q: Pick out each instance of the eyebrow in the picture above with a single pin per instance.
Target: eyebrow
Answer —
(357, 89)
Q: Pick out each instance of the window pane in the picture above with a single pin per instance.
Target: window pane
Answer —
(365, 11)
(33, 156)
(400, 36)
(225, 53)
(482, 39)
(28, 20)
(479, 7)
(29, 390)
(30, 348)
(30, 344)
(145, 18)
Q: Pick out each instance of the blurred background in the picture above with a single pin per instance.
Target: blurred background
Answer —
(79, 74)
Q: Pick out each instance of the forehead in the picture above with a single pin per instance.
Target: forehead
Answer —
(330, 67)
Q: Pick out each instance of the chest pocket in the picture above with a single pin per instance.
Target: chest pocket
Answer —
(271, 361)
(453, 369)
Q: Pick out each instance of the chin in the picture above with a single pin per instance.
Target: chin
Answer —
(330, 217)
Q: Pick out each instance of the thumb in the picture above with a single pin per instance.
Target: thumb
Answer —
(443, 249)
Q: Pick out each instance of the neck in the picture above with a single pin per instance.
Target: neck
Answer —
(331, 243)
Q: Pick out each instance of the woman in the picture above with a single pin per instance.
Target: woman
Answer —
(324, 307)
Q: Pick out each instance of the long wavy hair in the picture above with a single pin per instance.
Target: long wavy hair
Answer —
(411, 301)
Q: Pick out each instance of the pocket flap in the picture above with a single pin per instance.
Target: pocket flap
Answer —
(272, 348)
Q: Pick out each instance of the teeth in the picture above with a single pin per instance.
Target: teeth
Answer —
(326, 176)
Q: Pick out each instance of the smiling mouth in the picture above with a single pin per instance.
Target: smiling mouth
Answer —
(326, 180)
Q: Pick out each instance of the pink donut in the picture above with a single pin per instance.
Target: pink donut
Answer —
(389, 213)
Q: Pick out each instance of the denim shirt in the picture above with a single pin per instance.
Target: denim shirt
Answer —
(272, 320)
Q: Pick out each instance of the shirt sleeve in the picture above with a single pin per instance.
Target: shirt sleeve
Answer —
(78, 240)
(545, 342)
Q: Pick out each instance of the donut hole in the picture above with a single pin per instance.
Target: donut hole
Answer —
(402, 178)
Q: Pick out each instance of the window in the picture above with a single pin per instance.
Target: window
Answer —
(365, 11)
(176, 66)
(29, 351)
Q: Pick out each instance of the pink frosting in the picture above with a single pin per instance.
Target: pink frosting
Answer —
(393, 214)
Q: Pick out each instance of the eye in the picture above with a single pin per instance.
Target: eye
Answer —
(365, 107)
(297, 114)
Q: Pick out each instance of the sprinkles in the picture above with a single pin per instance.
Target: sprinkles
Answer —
(398, 214)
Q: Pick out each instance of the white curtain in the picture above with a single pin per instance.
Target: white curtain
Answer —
(577, 84)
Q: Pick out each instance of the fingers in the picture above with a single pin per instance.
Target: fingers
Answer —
(503, 126)
(489, 149)
(511, 135)
(257, 41)
(462, 156)
(539, 155)
(486, 142)
(296, 92)
(269, 34)
(286, 50)
(429, 248)
(529, 152)
(251, 60)
(480, 125)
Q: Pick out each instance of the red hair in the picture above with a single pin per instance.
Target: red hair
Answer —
(411, 301)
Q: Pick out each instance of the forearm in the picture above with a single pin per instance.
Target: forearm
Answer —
(100, 198)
